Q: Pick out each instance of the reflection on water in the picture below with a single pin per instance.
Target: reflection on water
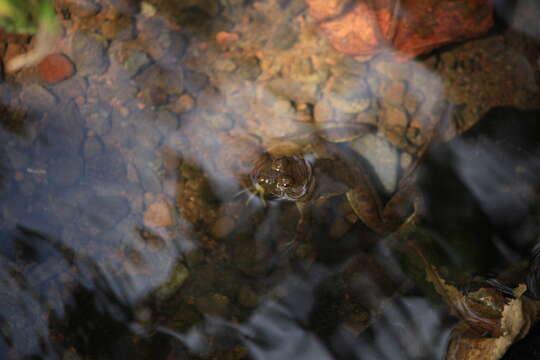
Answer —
(132, 228)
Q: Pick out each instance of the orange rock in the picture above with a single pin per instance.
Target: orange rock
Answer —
(158, 214)
(226, 39)
(54, 68)
(408, 27)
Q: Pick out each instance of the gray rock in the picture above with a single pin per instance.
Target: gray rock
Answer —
(97, 117)
(103, 212)
(62, 131)
(149, 178)
(92, 147)
(349, 94)
(108, 166)
(72, 87)
(195, 81)
(175, 45)
(18, 158)
(136, 62)
(89, 53)
(382, 156)
(65, 170)
(171, 81)
(147, 135)
(37, 97)
(166, 122)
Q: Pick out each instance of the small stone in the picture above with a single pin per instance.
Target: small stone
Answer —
(80, 8)
(405, 160)
(103, 212)
(349, 94)
(223, 227)
(226, 39)
(225, 65)
(73, 87)
(99, 122)
(394, 93)
(121, 28)
(382, 156)
(136, 62)
(167, 122)
(37, 97)
(92, 147)
(195, 81)
(55, 68)
(88, 51)
(65, 171)
(108, 166)
(158, 214)
(147, 9)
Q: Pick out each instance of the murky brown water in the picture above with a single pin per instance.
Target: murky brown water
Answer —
(134, 226)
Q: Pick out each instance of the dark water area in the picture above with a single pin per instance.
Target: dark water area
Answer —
(214, 180)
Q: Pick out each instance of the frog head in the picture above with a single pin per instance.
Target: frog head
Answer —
(282, 177)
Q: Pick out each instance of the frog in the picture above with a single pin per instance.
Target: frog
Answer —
(34, 17)
(322, 169)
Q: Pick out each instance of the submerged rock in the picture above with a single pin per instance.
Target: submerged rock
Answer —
(55, 68)
(89, 52)
(158, 214)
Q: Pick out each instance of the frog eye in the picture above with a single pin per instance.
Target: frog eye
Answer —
(285, 182)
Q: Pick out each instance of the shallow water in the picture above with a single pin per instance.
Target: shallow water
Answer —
(126, 228)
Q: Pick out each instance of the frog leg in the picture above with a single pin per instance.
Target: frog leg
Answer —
(303, 228)
(367, 207)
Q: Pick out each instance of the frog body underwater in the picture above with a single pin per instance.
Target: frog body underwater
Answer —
(322, 170)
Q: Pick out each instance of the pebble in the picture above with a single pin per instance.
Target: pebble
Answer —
(135, 62)
(122, 28)
(74, 87)
(158, 214)
(89, 53)
(223, 227)
(225, 65)
(92, 147)
(195, 81)
(37, 97)
(55, 68)
(349, 94)
(81, 8)
(97, 117)
(104, 212)
(166, 122)
(65, 170)
(109, 166)
(382, 156)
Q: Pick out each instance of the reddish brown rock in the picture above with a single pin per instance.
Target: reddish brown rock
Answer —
(55, 68)
(408, 27)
